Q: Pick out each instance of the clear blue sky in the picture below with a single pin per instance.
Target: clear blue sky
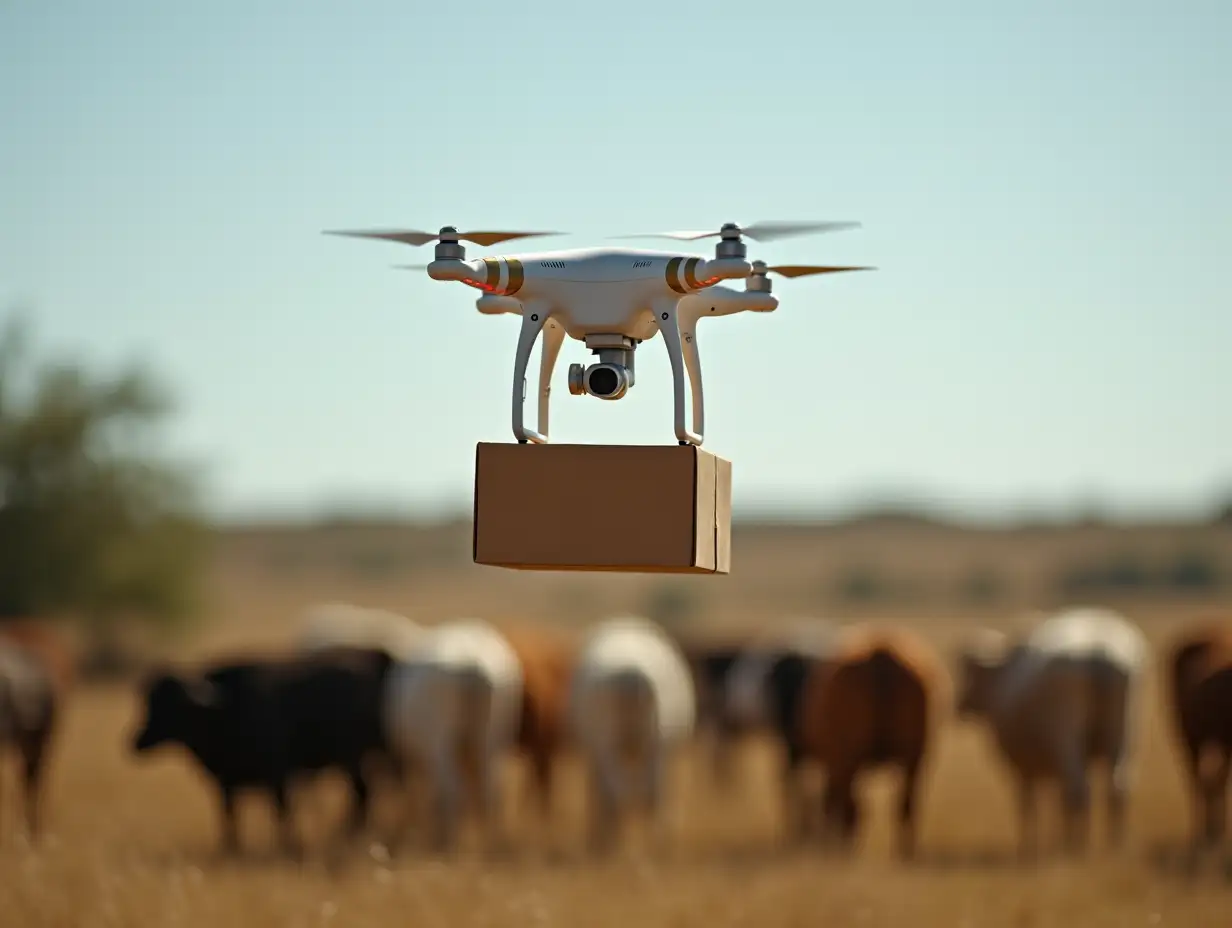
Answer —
(1046, 189)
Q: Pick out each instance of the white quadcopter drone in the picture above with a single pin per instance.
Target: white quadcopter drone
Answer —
(612, 299)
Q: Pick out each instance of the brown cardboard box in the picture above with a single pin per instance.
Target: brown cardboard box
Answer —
(635, 508)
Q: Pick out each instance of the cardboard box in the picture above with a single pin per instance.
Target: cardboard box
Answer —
(634, 508)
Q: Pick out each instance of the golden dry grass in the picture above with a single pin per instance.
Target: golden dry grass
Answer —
(134, 844)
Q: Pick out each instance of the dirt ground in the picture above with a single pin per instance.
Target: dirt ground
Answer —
(134, 844)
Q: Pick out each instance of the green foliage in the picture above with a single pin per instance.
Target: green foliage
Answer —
(92, 521)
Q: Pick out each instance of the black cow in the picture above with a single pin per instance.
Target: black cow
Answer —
(785, 682)
(264, 723)
(710, 667)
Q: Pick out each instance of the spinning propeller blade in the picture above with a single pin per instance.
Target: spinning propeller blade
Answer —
(804, 270)
(767, 231)
(413, 237)
(410, 267)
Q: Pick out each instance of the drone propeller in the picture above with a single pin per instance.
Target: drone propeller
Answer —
(804, 270)
(412, 237)
(767, 231)
(410, 267)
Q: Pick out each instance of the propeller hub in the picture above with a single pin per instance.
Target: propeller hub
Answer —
(758, 281)
(730, 245)
(449, 248)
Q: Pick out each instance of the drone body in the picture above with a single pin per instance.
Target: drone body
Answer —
(612, 299)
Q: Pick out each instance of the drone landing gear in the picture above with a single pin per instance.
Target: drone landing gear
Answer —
(681, 342)
(679, 335)
(535, 320)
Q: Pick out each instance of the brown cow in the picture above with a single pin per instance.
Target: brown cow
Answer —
(36, 671)
(1201, 684)
(871, 705)
(547, 663)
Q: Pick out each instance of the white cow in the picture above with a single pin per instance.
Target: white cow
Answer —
(452, 711)
(1062, 697)
(632, 706)
(330, 624)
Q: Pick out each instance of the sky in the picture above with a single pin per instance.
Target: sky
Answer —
(1044, 190)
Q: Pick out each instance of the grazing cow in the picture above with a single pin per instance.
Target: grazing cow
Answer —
(265, 722)
(547, 662)
(330, 624)
(1200, 674)
(632, 705)
(710, 665)
(765, 692)
(29, 703)
(871, 703)
(453, 709)
(1058, 699)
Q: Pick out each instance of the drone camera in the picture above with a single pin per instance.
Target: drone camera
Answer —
(611, 377)
(606, 381)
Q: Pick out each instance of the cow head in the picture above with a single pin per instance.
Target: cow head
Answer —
(171, 702)
(979, 662)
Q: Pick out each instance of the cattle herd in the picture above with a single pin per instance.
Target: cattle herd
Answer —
(435, 711)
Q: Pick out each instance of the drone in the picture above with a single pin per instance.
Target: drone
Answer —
(612, 299)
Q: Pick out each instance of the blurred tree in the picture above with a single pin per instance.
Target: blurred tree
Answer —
(93, 523)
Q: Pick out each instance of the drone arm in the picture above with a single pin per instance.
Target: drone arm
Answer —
(534, 317)
(553, 338)
(724, 301)
(668, 318)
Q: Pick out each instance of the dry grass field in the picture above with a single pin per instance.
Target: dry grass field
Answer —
(134, 844)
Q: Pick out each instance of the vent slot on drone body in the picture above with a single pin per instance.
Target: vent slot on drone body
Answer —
(556, 264)
(642, 263)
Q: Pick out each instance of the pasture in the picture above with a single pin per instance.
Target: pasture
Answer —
(135, 844)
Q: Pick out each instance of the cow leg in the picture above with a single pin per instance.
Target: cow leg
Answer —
(447, 796)
(908, 796)
(840, 811)
(661, 813)
(541, 771)
(1119, 777)
(491, 801)
(230, 822)
(1215, 791)
(32, 770)
(1028, 819)
(602, 807)
(1077, 802)
(722, 750)
(795, 814)
(286, 821)
(361, 800)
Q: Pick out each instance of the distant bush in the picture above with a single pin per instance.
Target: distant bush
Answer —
(1189, 572)
(376, 561)
(982, 585)
(863, 584)
(1195, 571)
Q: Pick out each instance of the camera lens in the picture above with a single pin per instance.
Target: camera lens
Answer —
(604, 381)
